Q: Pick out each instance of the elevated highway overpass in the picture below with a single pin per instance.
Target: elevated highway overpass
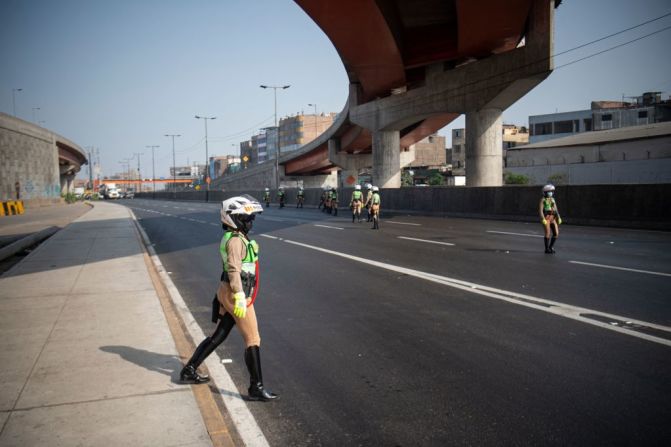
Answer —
(413, 67)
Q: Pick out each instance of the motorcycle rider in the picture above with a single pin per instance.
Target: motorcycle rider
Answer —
(300, 197)
(355, 203)
(375, 208)
(266, 197)
(550, 218)
(235, 296)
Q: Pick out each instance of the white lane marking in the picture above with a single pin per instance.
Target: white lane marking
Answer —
(269, 236)
(552, 307)
(192, 209)
(328, 226)
(274, 219)
(215, 224)
(620, 268)
(425, 240)
(403, 223)
(515, 234)
(244, 421)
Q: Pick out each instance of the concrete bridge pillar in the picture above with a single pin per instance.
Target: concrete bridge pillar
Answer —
(484, 148)
(387, 158)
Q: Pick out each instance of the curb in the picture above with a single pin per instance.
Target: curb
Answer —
(23, 243)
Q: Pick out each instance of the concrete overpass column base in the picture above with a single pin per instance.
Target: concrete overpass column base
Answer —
(484, 148)
(387, 159)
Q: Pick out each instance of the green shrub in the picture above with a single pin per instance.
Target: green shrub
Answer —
(436, 179)
(70, 197)
(559, 178)
(510, 178)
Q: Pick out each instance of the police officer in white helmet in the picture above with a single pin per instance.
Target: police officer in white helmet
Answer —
(236, 295)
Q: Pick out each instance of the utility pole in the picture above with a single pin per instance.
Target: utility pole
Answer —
(139, 175)
(90, 152)
(277, 156)
(153, 173)
(174, 169)
(207, 156)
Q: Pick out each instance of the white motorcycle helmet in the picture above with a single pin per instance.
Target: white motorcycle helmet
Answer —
(358, 187)
(375, 189)
(267, 189)
(369, 186)
(238, 212)
(548, 190)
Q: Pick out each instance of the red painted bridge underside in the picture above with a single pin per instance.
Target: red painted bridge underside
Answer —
(386, 45)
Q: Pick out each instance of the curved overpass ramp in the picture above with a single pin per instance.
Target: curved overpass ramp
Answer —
(416, 65)
(43, 162)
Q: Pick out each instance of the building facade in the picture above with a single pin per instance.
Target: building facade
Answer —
(648, 108)
(298, 130)
(430, 153)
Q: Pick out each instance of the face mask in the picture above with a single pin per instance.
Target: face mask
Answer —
(549, 193)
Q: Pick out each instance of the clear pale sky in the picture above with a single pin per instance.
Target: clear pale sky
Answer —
(118, 75)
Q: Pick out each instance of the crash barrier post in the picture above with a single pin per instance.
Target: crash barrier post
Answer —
(11, 208)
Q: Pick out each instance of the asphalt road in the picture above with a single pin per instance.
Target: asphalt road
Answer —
(371, 338)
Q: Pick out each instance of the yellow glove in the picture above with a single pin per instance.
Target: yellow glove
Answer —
(240, 309)
(544, 222)
(559, 221)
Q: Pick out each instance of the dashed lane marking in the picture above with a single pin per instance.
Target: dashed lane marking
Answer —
(634, 328)
(328, 226)
(515, 234)
(269, 236)
(403, 223)
(620, 268)
(425, 240)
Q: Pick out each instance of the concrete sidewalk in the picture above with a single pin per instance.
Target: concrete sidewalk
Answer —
(86, 355)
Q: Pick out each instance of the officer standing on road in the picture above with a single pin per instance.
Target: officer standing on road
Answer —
(266, 197)
(300, 197)
(550, 218)
(355, 203)
(369, 197)
(235, 296)
(375, 203)
(334, 201)
(281, 196)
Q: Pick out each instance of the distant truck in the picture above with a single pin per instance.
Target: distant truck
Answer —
(111, 191)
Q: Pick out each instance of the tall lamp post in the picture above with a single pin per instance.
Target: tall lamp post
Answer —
(315, 106)
(277, 156)
(153, 172)
(14, 90)
(207, 156)
(35, 114)
(174, 168)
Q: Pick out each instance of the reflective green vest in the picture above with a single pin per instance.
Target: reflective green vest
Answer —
(357, 195)
(250, 259)
(334, 195)
(376, 199)
(548, 204)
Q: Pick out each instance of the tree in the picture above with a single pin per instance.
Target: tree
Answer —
(510, 178)
(436, 179)
(406, 179)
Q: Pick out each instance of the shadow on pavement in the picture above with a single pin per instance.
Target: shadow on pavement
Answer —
(167, 364)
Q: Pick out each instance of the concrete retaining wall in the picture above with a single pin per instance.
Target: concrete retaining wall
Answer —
(626, 206)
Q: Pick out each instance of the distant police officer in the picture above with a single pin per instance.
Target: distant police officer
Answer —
(300, 197)
(375, 203)
(235, 296)
(334, 201)
(266, 197)
(550, 218)
(356, 202)
(281, 196)
(369, 197)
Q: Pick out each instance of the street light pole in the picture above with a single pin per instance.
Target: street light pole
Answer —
(14, 90)
(139, 174)
(153, 173)
(207, 157)
(277, 156)
(315, 106)
(34, 114)
(174, 168)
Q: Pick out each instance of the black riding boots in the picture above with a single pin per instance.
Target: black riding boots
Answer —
(256, 389)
